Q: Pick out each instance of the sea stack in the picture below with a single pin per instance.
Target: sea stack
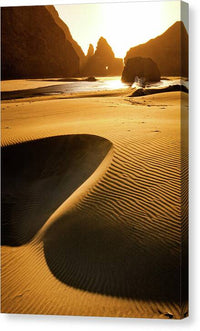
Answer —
(169, 51)
(90, 52)
(144, 68)
(103, 62)
(34, 44)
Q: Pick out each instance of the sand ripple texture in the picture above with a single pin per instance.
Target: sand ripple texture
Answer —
(94, 224)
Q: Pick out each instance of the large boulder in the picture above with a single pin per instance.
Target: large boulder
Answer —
(34, 45)
(169, 51)
(139, 67)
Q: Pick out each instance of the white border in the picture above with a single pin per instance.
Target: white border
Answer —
(51, 323)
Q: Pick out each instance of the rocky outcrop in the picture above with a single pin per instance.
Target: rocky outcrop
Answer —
(169, 51)
(139, 67)
(171, 88)
(34, 45)
(103, 62)
(90, 52)
(104, 50)
(67, 33)
(88, 57)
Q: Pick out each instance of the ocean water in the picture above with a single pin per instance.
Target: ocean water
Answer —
(163, 83)
(73, 87)
(101, 84)
(108, 84)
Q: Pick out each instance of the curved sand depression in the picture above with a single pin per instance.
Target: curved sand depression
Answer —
(90, 249)
(119, 233)
(38, 176)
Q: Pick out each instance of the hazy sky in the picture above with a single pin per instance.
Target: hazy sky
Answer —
(123, 24)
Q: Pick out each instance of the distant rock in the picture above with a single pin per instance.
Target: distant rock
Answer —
(103, 61)
(103, 50)
(90, 51)
(172, 88)
(139, 67)
(88, 57)
(169, 51)
(90, 79)
(34, 45)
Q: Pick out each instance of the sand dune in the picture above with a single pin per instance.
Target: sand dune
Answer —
(110, 247)
(43, 175)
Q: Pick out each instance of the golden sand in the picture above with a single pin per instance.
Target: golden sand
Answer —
(109, 243)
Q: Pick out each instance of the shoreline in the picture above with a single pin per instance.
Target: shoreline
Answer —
(45, 89)
(63, 96)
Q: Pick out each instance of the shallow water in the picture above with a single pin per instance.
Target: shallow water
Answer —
(164, 83)
(109, 84)
(73, 87)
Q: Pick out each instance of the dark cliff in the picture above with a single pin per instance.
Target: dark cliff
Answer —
(67, 33)
(33, 45)
(169, 51)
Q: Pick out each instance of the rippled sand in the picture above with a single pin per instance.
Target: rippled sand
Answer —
(98, 205)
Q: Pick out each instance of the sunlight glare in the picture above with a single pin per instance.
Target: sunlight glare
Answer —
(124, 25)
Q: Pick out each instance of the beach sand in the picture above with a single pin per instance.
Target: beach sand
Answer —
(96, 227)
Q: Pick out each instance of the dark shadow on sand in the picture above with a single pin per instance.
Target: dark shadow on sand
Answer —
(35, 92)
(106, 257)
(38, 176)
(50, 90)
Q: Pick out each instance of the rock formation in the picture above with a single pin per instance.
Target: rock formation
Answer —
(140, 67)
(90, 51)
(103, 62)
(88, 57)
(169, 51)
(34, 44)
(104, 50)
(171, 88)
(67, 32)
